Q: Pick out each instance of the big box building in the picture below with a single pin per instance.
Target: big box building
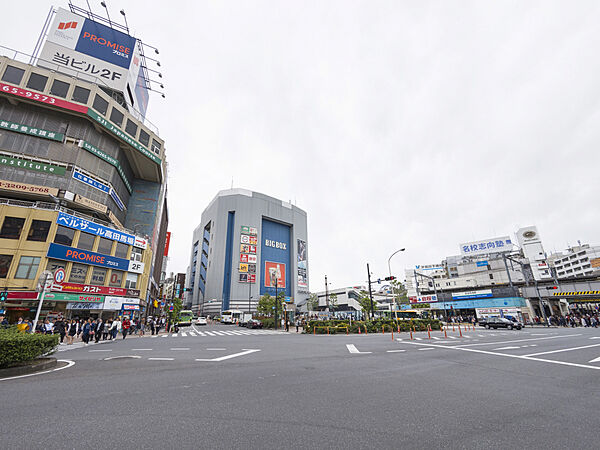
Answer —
(247, 245)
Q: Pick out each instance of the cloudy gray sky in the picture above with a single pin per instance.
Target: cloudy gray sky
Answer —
(417, 124)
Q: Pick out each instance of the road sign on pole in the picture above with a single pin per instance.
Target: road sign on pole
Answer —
(59, 275)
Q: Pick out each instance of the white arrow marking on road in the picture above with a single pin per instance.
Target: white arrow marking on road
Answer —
(506, 348)
(352, 349)
(595, 360)
(235, 355)
(122, 357)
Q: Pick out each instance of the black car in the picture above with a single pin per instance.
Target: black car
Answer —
(499, 322)
(253, 323)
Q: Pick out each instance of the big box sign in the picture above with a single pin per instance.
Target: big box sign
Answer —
(275, 254)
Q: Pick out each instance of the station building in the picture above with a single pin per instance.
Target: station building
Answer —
(247, 245)
(82, 181)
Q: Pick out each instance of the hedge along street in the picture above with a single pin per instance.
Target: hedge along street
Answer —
(35, 165)
(109, 159)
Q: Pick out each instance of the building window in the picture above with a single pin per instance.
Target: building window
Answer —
(116, 117)
(144, 138)
(13, 75)
(98, 276)
(100, 105)
(54, 264)
(5, 261)
(105, 246)
(64, 236)
(155, 146)
(38, 231)
(116, 278)
(131, 280)
(136, 254)
(37, 82)
(131, 127)
(11, 228)
(81, 95)
(28, 266)
(86, 241)
(78, 273)
(59, 88)
(121, 250)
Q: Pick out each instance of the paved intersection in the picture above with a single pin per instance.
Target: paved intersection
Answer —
(488, 389)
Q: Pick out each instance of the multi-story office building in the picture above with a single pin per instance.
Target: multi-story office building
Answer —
(82, 176)
(247, 245)
(576, 262)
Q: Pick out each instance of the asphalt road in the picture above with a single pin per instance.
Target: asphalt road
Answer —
(489, 389)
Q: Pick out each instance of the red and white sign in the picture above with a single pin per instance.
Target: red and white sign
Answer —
(274, 273)
(243, 258)
(131, 307)
(59, 275)
(251, 259)
(251, 278)
(167, 242)
(100, 290)
(140, 242)
(22, 295)
(41, 98)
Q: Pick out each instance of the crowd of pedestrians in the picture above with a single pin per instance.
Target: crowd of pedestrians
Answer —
(90, 330)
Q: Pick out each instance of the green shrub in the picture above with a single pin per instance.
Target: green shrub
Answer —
(268, 322)
(371, 327)
(16, 346)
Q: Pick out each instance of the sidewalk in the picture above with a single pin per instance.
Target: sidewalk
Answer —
(79, 343)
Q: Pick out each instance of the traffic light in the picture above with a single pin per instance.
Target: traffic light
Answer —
(3, 296)
(390, 278)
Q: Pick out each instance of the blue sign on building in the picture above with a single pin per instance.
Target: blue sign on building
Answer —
(482, 303)
(482, 263)
(117, 200)
(65, 253)
(106, 43)
(78, 223)
(90, 181)
(275, 254)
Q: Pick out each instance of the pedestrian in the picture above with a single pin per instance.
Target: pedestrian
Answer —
(141, 326)
(151, 325)
(86, 332)
(106, 329)
(72, 331)
(3, 321)
(59, 328)
(99, 329)
(114, 328)
(297, 325)
(125, 326)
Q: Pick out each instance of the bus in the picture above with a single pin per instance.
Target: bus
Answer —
(231, 316)
(185, 318)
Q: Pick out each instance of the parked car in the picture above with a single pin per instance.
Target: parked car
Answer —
(499, 322)
(201, 321)
(253, 323)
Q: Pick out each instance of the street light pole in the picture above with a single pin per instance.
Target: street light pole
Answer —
(327, 295)
(390, 272)
(276, 302)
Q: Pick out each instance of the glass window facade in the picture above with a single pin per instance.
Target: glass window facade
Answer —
(98, 276)
(86, 241)
(5, 261)
(38, 231)
(64, 236)
(116, 278)
(78, 273)
(28, 266)
(11, 227)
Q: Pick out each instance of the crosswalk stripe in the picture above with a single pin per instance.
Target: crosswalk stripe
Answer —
(173, 335)
(436, 338)
(192, 333)
(210, 333)
(418, 339)
(183, 334)
(452, 337)
(165, 335)
(201, 333)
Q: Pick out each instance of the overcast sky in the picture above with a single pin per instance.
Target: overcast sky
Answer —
(392, 124)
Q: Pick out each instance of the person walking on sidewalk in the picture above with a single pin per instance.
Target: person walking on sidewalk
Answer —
(72, 330)
(99, 329)
(115, 328)
(126, 325)
(59, 328)
(86, 332)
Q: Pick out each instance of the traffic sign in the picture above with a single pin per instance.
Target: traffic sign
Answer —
(171, 308)
(59, 275)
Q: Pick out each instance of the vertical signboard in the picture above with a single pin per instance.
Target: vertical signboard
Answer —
(302, 264)
(275, 254)
(247, 267)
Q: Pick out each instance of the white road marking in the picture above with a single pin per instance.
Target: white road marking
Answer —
(418, 339)
(352, 349)
(465, 336)
(398, 339)
(563, 350)
(480, 335)
(165, 335)
(509, 355)
(452, 337)
(68, 361)
(179, 348)
(173, 335)
(595, 359)
(595, 337)
(99, 350)
(122, 357)
(201, 333)
(210, 333)
(192, 333)
(507, 348)
(141, 349)
(517, 340)
(161, 359)
(235, 355)
(395, 351)
(183, 334)
(216, 349)
(424, 348)
(436, 338)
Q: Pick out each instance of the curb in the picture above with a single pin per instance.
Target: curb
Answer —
(37, 365)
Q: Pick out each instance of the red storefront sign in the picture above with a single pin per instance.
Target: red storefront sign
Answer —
(41, 98)
(167, 242)
(12, 295)
(100, 290)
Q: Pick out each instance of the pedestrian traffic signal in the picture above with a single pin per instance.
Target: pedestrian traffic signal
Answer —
(3, 296)
(390, 278)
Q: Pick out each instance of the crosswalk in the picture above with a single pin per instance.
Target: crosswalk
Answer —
(473, 337)
(215, 333)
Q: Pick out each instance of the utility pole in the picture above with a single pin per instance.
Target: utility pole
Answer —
(370, 290)
(276, 302)
(326, 295)
(249, 297)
